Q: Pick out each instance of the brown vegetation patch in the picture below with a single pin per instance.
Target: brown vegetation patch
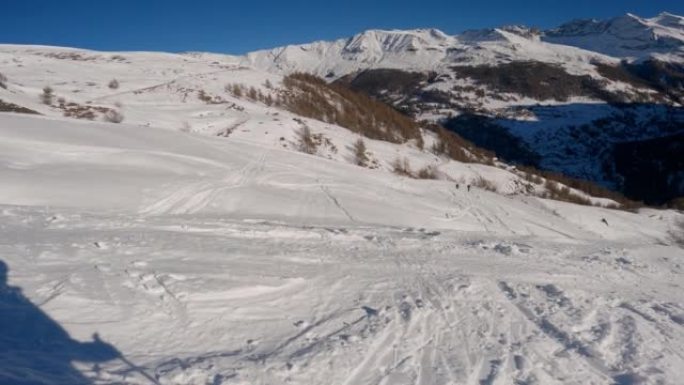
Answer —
(540, 81)
(427, 172)
(68, 56)
(78, 111)
(484, 184)
(455, 147)
(47, 96)
(210, 99)
(312, 97)
(11, 107)
(402, 166)
(379, 81)
(360, 153)
(563, 193)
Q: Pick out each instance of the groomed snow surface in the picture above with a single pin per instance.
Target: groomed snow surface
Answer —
(139, 255)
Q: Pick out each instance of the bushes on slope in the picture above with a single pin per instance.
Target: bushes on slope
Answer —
(312, 97)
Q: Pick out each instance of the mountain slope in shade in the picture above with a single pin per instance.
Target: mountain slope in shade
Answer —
(628, 36)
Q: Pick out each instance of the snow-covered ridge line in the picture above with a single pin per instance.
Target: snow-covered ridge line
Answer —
(626, 37)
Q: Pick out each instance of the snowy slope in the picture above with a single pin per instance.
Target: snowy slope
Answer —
(122, 168)
(202, 260)
(203, 248)
(166, 91)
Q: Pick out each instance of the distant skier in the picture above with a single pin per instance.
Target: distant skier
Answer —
(604, 221)
(468, 188)
(457, 186)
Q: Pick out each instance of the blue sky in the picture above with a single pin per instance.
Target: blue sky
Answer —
(241, 26)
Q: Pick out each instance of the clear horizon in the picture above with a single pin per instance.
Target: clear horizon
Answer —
(224, 27)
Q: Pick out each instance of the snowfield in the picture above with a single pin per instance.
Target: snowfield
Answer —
(201, 260)
(193, 244)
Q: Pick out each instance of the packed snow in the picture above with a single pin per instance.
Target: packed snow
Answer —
(201, 260)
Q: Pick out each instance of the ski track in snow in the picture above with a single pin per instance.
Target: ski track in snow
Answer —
(194, 197)
(219, 301)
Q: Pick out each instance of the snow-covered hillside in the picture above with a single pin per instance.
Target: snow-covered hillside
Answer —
(159, 224)
(204, 260)
(192, 93)
(627, 71)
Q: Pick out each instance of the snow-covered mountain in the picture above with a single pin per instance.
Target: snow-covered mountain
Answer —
(552, 92)
(204, 219)
(626, 36)
(419, 50)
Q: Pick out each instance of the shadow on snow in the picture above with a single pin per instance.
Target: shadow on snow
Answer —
(35, 349)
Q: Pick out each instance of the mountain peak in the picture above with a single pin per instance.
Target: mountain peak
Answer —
(669, 20)
(627, 19)
(427, 34)
(668, 14)
(623, 36)
(376, 41)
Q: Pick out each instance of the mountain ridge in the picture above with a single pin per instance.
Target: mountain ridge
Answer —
(373, 46)
(504, 74)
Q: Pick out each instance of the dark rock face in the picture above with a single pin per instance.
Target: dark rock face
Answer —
(11, 107)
